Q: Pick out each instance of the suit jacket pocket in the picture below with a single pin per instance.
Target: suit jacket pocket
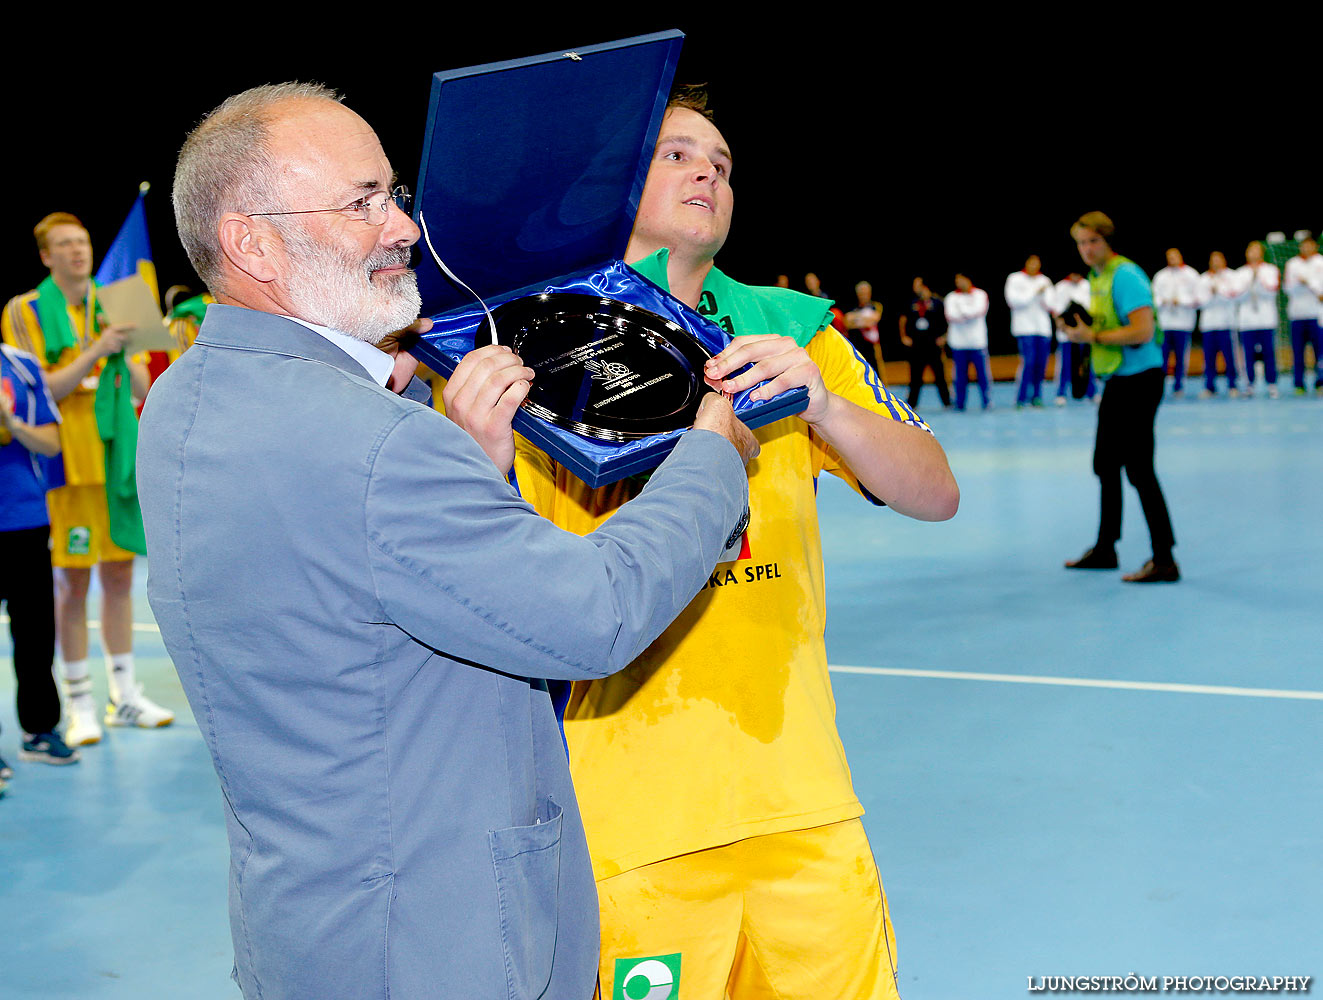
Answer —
(527, 864)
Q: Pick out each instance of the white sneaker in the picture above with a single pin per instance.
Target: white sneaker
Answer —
(138, 710)
(1061, 401)
(83, 729)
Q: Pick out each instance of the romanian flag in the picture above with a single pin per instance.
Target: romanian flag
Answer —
(131, 251)
(129, 254)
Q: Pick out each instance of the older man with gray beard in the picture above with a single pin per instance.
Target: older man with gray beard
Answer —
(360, 607)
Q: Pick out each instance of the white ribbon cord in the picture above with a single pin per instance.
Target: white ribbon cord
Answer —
(491, 323)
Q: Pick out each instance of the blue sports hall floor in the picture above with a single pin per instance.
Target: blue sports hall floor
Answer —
(1064, 775)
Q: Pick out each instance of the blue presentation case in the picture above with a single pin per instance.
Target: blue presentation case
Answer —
(531, 175)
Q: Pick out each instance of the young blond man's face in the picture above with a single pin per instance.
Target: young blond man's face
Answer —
(68, 253)
(687, 201)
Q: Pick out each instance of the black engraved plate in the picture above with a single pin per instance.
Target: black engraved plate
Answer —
(605, 369)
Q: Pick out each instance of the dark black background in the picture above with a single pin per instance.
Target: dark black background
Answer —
(867, 146)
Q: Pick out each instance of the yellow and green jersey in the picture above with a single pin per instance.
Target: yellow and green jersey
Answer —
(725, 728)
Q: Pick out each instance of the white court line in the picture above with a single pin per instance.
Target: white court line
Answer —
(960, 675)
(137, 626)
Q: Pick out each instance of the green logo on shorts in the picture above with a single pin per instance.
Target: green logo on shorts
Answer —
(80, 541)
(655, 978)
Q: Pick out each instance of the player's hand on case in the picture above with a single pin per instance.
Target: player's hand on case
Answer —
(482, 396)
(776, 360)
(715, 414)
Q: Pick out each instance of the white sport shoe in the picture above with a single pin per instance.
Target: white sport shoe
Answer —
(138, 710)
(83, 729)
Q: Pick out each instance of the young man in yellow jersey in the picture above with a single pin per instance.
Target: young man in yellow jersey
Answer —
(724, 830)
(59, 323)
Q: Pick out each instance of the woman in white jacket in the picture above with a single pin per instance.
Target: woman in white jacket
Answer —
(967, 337)
(1029, 293)
(1217, 311)
(1303, 282)
(1073, 357)
(1176, 295)
(1256, 316)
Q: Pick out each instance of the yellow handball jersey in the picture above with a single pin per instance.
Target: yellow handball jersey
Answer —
(83, 450)
(725, 727)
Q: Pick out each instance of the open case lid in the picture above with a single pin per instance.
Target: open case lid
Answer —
(533, 168)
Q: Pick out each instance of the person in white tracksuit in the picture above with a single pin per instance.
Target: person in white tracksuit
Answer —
(1217, 313)
(1029, 293)
(1303, 284)
(1176, 295)
(1256, 316)
(967, 337)
(1073, 287)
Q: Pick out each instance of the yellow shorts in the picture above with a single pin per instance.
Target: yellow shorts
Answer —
(80, 528)
(791, 916)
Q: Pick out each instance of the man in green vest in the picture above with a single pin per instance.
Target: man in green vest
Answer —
(1126, 352)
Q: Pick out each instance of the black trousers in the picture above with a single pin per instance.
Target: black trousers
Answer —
(1125, 441)
(27, 587)
(921, 359)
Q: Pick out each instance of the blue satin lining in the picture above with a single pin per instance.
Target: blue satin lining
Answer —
(453, 335)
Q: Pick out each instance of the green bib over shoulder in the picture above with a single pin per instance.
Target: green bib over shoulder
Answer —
(116, 420)
(1107, 358)
(117, 423)
(53, 314)
(741, 310)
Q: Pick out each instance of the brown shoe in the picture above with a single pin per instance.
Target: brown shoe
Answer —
(1095, 558)
(1154, 573)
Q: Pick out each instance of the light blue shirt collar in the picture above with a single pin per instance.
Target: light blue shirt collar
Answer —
(378, 363)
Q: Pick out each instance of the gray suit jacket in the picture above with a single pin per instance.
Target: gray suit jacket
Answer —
(355, 602)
